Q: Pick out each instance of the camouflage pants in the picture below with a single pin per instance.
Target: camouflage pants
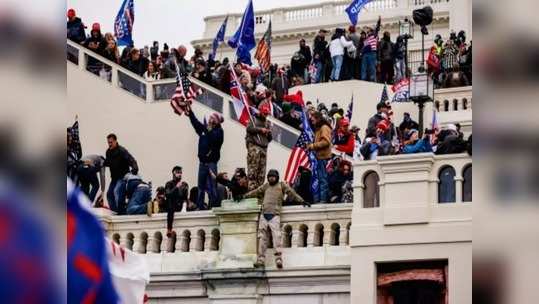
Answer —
(274, 225)
(256, 166)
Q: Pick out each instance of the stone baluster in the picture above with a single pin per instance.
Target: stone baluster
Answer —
(327, 236)
(164, 242)
(123, 241)
(151, 245)
(207, 241)
(310, 237)
(180, 243)
(343, 235)
(458, 188)
(137, 244)
(195, 241)
(295, 237)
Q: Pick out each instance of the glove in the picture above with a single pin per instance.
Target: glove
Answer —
(306, 204)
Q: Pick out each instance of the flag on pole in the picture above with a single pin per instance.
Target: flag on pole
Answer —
(220, 37)
(384, 96)
(301, 157)
(244, 38)
(123, 25)
(434, 126)
(353, 10)
(263, 50)
(90, 280)
(240, 100)
(401, 90)
(184, 95)
(350, 108)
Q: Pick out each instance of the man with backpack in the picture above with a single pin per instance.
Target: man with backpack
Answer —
(272, 194)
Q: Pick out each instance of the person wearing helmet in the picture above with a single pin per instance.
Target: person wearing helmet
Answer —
(272, 195)
(257, 139)
(176, 194)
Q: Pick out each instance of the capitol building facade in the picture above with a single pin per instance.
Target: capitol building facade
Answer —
(397, 240)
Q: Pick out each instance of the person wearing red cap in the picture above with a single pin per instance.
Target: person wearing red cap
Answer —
(75, 27)
(344, 140)
(378, 144)
(257, 139)
(97, 43)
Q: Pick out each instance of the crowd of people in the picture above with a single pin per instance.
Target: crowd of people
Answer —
(347, 55)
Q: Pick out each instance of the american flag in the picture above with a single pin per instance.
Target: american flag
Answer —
(123, 25)
(263, 50)
(434, 126)
(184, 95)
(372, 41)
(240, 100)
(384, 96)
(300, 156)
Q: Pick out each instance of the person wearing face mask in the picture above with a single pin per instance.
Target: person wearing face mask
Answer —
(272, 194)
(257, 140)
(211, 137)
(176, 193)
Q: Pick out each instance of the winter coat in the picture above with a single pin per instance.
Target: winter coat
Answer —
(209, 142)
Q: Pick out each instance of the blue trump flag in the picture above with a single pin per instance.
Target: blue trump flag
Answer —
(312, 156)
(220, 37)
(123, 25)
(244, 38)
(353, 10)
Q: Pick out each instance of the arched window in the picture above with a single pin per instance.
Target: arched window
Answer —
(287, 236)
(446, 185)
(467, 184)
(371, 192)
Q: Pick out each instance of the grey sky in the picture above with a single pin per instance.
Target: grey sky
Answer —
(172, 21)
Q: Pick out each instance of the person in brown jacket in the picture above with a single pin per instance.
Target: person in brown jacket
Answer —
(257, 140)
(272, 194)
(322, 148)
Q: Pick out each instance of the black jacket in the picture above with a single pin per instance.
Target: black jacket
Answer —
(320, 47)
(119, 161)
(176, 196)
(138, 67)
(306, 52)
(75, 30)
(209, 142)
(234, 186)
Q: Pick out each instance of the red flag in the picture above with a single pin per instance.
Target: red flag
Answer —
(241, 105)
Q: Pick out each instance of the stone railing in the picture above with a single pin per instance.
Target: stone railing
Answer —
(312, 15)
(199, 231)
(453, 99)
(162, 90)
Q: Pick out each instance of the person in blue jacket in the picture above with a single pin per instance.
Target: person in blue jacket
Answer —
(211, 137)
(416, 145)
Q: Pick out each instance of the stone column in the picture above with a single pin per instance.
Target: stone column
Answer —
(239, 223)
(151, 246)
(207, 240)
(327, 236)
(310, 237)
(164, 242)
(458, 188)
(137, 244)
(343, 234)
(295, 237)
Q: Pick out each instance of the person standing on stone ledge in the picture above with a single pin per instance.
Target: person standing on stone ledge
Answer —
(272, 194)
(257, 140)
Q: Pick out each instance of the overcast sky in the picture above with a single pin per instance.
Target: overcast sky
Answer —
(172, 21)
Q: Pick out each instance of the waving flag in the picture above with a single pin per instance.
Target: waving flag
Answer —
(240, 103)
(353, 10)
(384, 96)
(401, 90)
(220, 37)
(301, 157)
(263, 50)
(123, 25)
(350, 108)
(244, 38)
(184, 95)
(89, 279)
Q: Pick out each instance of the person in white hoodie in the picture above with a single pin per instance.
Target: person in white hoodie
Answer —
(336, 48)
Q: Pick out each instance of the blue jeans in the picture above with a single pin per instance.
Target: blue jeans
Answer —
(116, 196)
(206, 184)
(337, 64)
(323, 190)
(399, 69)
(368, 66)
(319, 67)
(138, 203)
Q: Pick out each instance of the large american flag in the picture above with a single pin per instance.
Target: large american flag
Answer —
(372, 41)
(184, 95)
(263, 50)
(300, 156)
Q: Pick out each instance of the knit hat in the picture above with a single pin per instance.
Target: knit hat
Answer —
(96, 27)
(71, 13)
(217, 117)
(383, 125)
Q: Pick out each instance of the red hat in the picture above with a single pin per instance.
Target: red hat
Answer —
(344, 121)
(383, 125)
(71, 13)
(96, 27)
